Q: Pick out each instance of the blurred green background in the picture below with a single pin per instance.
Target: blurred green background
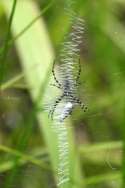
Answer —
(27, 146)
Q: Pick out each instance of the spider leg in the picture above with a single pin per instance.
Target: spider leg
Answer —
(78, 101)
(55, 105)
(54, 75)
(79, 72)
(56, 86)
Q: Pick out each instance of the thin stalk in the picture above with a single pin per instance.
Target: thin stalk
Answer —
(6, 46)
(11, 41)
(103, 178)
(23, 158)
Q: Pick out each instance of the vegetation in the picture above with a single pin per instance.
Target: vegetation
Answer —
(31, 33)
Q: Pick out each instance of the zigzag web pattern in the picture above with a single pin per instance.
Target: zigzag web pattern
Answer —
(69, 59)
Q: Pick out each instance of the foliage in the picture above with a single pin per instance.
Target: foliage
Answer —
(30, 34)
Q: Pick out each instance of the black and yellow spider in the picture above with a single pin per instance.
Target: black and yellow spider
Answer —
(68, 94)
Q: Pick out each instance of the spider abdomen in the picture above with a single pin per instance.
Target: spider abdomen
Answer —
(66, 111)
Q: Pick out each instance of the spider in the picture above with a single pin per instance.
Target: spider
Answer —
(68, 94)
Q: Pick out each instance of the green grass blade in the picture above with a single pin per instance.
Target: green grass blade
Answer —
(6, 47)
